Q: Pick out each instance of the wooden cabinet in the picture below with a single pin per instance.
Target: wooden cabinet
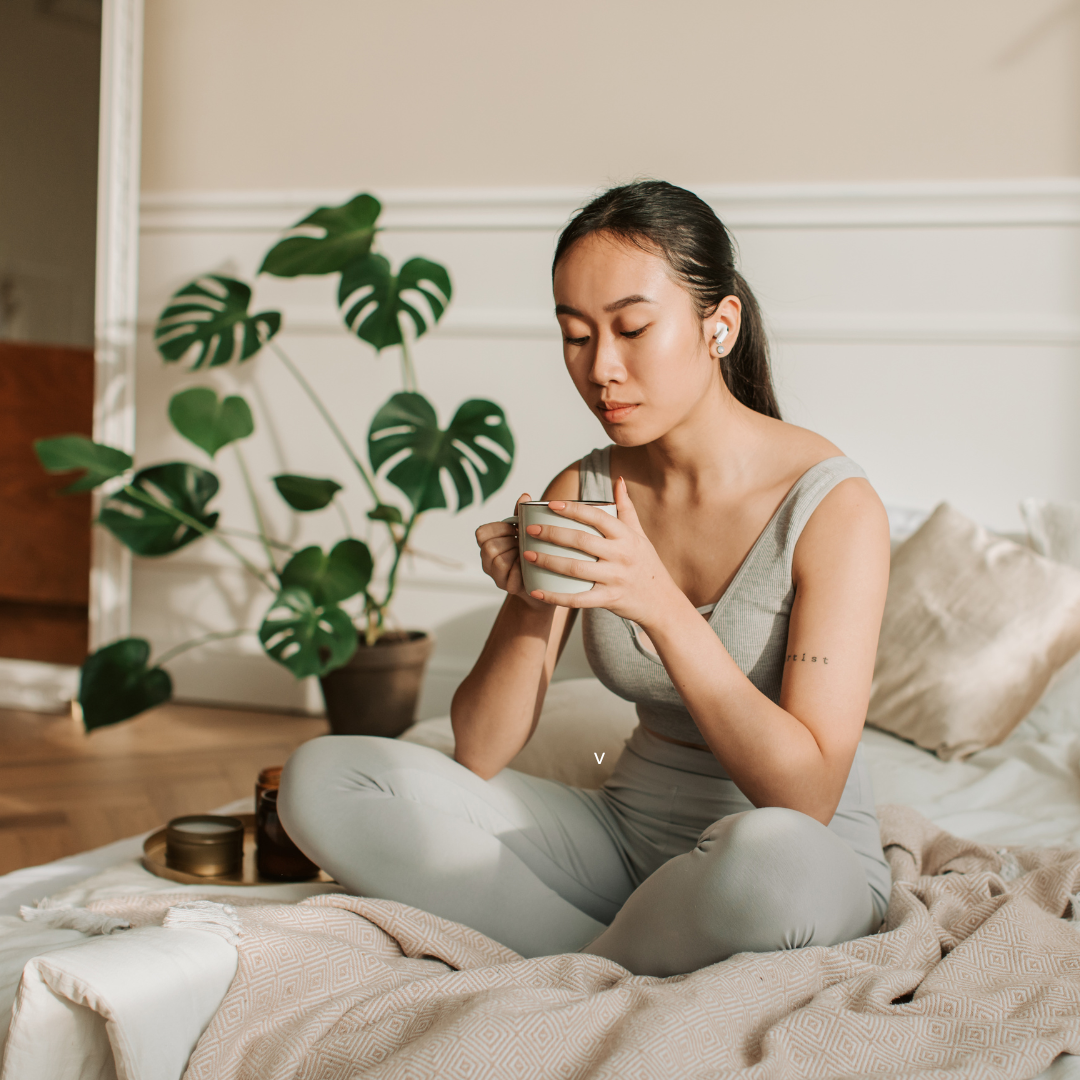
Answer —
(44, 536)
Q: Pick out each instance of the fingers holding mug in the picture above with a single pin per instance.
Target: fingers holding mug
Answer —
(500, 552)
(497, 558)
(493, 529)
(573, 570)
(575, 539)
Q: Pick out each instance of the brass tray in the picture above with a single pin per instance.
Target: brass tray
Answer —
(154, 861)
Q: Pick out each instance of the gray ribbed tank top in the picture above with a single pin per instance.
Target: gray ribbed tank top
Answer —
(751, 618)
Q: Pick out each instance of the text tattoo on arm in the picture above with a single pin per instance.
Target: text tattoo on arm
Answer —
(806, 658)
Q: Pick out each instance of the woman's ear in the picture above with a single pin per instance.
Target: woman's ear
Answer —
(721, 327)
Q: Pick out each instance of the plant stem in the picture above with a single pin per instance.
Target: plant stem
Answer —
(217, 635)
(391, 582)
(256, 509)
(199, 527)
(336, 431)
(246, 534)
(408, 370)
(371, 608)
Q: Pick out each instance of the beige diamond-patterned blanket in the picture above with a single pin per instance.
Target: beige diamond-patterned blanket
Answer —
(976, 973)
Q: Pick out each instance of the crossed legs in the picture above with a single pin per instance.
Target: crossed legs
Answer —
(539, 866)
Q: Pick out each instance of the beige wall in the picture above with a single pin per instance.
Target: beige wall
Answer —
(286, 94)
(871, 301)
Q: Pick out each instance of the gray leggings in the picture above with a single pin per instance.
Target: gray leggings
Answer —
(663, 870)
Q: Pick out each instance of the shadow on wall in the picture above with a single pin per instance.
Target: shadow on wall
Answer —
(458, 643)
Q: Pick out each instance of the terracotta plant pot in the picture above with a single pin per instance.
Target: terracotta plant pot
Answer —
(375, 693)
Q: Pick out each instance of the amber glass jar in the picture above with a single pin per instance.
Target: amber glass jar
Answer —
(276, 856)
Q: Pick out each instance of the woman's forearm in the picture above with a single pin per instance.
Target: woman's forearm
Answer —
(772, 757)
(495, 708)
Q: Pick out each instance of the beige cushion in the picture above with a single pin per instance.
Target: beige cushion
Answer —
(580, 721)
(975, 625)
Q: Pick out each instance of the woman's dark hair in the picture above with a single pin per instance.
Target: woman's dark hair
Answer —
(673, 222)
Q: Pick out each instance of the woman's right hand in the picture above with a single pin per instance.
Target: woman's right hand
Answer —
(499, 556)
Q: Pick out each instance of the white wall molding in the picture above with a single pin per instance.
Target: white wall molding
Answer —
(743, 206)
(791, 326)
(526, 324)
(116, 291)
(924, 328)
(746, 207)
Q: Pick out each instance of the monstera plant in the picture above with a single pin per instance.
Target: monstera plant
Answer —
(160, 508)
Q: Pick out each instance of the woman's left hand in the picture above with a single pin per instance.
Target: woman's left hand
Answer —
(631, 581)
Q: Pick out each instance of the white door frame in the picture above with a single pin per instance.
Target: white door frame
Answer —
(116, 298)
(26, 684)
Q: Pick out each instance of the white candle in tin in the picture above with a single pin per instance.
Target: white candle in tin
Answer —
(205, 827)
(204, 844)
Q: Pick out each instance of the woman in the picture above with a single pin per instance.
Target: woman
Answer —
(738, 599)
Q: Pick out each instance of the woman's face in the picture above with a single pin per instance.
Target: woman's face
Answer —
(635, 347)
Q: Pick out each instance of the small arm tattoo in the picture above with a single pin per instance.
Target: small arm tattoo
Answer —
(806, 658)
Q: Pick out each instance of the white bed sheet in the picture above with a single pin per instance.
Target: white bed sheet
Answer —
(1026, 791)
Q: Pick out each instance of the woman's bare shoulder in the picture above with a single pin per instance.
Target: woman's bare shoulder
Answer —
(566, 484)
(849, 525)
(803, 447)
(852, 505)
(851, 508)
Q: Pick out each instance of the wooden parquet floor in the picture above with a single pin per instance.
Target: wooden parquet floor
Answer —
(63, 791)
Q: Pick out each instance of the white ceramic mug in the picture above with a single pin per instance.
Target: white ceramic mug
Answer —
(537, 513)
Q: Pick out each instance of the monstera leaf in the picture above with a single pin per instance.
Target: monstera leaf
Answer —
(208, 422)
(149, 528)
(306, 493)
(477, 444)
(348, 233)
(390, 514)
(116, 684)
(215, 322)
(67, 453)
(380, 297)
(305, 636)
(330, 578)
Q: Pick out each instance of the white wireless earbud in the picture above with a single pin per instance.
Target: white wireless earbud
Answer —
(721, 332)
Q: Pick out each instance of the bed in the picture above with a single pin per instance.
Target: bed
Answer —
(1025, 791)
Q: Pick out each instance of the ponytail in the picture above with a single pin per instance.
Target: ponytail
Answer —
(746, 370)
(674, 222)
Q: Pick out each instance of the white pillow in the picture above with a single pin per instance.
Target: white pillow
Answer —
(1053, 529)
(581, 721)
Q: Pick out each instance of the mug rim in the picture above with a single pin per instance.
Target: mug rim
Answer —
(583, 502)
